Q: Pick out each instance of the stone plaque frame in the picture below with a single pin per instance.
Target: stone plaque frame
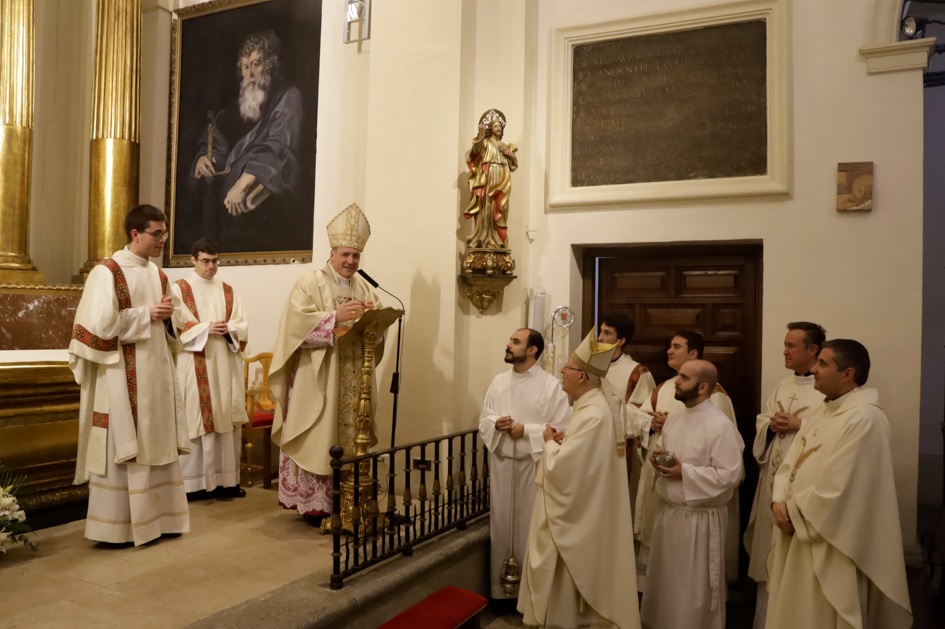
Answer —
(776, 183)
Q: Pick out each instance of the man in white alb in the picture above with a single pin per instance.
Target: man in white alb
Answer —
(794, 399)
(685, 345)
(519, 404)
(686, 572)
(131, 414)
(213, 330)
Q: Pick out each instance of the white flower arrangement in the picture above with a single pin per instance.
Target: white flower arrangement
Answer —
(14, 531)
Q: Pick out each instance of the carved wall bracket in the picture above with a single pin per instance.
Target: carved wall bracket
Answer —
(486, 273)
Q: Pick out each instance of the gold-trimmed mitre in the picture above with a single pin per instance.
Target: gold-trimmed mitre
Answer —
(349, 228)
(594, 357)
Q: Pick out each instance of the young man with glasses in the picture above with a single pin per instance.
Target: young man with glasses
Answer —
(213, 329)
(131, 419)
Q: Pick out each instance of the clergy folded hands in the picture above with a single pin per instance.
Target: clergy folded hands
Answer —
(519, 404)
(213, 330)
(131, 417)
(793, 400)
(837, 558)
(579, 565)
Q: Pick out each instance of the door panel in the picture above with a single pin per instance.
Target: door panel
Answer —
(714, 289)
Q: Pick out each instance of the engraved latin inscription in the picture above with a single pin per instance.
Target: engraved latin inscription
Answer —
(670, 106)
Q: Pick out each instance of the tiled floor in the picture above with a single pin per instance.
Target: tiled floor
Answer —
(236, 550)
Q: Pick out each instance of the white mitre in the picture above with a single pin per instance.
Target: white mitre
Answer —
(592, 356)
(349, 228)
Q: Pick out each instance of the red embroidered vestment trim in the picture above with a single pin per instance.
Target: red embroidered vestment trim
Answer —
(200, 362)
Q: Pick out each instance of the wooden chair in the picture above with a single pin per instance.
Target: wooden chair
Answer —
(260, 410)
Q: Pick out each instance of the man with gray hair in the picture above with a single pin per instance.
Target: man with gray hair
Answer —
(249, 155)
(579, 567)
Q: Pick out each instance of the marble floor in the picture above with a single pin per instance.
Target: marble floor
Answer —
(71, 582)
(237, 549)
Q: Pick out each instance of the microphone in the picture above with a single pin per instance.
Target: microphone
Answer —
(370, 280)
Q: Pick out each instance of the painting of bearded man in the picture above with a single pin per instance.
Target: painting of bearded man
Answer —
(245, 171)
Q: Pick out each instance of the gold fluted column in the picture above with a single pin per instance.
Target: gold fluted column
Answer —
(116, 113)
(16, 140)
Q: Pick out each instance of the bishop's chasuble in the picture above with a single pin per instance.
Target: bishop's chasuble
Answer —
(578, 568)
(210, 372)
(534, 399)
(843, 568)
(315, 381)
(685, 579)
(131, 416)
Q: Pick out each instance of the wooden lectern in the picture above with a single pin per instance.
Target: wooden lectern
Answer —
(370, 327)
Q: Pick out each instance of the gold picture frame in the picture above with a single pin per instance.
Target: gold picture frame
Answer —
(241, 132)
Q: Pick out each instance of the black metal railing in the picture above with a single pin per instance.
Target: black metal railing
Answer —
(375, 536)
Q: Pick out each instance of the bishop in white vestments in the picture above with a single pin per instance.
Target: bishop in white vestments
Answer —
(579, 566)
(316, 368)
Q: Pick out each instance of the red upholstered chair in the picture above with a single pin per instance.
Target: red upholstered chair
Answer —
(260, 410)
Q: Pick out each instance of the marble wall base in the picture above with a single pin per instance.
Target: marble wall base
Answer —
(37, 316)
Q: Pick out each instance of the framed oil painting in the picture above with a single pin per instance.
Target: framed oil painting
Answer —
(241, 135)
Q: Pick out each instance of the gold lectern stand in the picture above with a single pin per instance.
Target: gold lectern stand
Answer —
(370, 327)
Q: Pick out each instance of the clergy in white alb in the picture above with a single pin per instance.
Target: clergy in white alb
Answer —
(794, 399)
(213, 330)
(686, 570)
(837, 559)
(519, 404)
(578, 569)
(131, 417)
(316, 368)
(648, 421)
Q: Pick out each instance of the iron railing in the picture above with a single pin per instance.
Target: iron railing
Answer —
(377, 536)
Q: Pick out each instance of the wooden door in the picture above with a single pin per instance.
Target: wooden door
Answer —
(714, 289)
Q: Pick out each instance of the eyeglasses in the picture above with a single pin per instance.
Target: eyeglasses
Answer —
(209, 261)
(157, 234)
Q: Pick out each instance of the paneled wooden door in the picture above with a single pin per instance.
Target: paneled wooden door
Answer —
(712, 288)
